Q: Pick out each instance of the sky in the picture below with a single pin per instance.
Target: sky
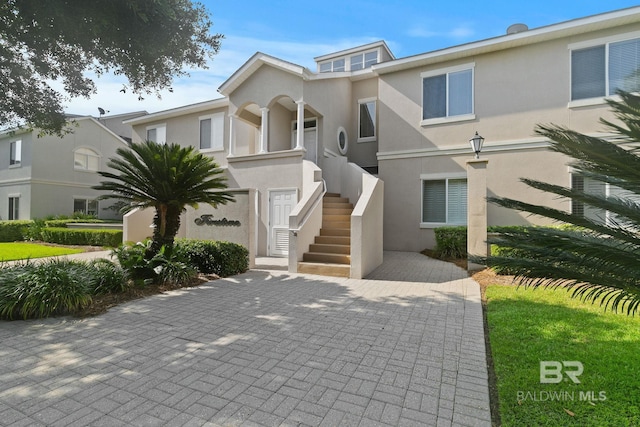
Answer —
(298, 31)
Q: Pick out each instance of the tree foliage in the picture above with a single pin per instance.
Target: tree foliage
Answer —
(148, 41)
(167, 178)
(599, 259)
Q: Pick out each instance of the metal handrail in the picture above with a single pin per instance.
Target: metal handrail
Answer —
(308, 213)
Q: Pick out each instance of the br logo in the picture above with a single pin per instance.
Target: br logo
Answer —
(551, 371)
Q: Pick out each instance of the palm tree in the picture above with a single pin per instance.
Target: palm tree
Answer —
(597, 256)
(166, 177)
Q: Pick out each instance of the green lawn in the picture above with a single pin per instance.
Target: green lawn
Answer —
(23, 250)
(527, 326)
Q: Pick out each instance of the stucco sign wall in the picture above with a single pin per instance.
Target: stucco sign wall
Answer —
(231, 222)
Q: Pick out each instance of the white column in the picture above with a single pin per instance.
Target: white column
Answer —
(300, 131)
(476, 211)
(232, 136)
(264, 130)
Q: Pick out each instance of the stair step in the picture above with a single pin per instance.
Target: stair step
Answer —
(332, 195)
(335, 200)
(346, 225)
(342, 232)
(339, 218)
(336, 211)
(324, 269)
(333, 240)
(326, 258)
(327, 205)
(330, 248)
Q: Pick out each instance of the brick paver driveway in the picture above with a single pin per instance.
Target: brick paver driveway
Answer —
(404, 347)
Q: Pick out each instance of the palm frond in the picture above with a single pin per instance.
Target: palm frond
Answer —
(599, 258)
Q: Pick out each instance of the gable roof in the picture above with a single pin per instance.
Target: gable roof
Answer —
(254, 63)
(550, 32)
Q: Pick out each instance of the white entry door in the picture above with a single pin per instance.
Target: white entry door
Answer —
(281, 203)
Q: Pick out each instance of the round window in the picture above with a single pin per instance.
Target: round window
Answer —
(343, 141)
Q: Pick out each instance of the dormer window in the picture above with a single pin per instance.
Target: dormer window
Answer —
(363, 60)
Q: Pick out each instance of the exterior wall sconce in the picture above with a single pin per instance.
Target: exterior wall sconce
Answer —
(476, 144)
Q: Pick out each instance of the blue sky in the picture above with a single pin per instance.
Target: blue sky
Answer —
(299, 31)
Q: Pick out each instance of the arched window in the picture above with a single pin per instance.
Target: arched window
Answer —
(86, 159)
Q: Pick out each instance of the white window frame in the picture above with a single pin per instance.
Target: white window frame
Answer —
(447, 71)
(375, 119)
(362, 56)
(163, 132)
(606, 41)
(94, 154)
(15, 153)
(13, 214)
(86, 201)
(217, 132)
(440, 177)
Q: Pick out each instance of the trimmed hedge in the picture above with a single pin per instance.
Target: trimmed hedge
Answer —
(221, 258)
(82, 236)
(14, 231)
(451, 242)
(62, 223)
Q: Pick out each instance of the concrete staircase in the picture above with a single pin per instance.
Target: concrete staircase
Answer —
(330, 255)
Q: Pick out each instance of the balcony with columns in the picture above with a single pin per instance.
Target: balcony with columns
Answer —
(258, 133)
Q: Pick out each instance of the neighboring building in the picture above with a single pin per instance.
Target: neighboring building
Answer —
(49, 175)
(407, 121)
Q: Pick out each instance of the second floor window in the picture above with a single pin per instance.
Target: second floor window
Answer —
(212, 132)
(86, 159)
(367, 120)
(157, 134)
(15, 152)
(447, 94)
(602, 70)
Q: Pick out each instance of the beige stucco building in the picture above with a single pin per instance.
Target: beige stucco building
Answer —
(390, 135)
(47, 175)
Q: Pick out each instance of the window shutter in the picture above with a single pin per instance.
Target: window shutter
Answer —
(588, 73)
(434, 207)
(624, 66)
(217, 131)
(457, 201)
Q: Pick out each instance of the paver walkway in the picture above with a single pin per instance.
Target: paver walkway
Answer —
(403, 347)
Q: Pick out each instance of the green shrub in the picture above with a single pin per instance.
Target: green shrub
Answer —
(164, 267)
(221, 258)
(82, 236)
(36, 290)
(451, 242)
(109, 277)
(62, 222)
(173, 272)
(14, 231)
